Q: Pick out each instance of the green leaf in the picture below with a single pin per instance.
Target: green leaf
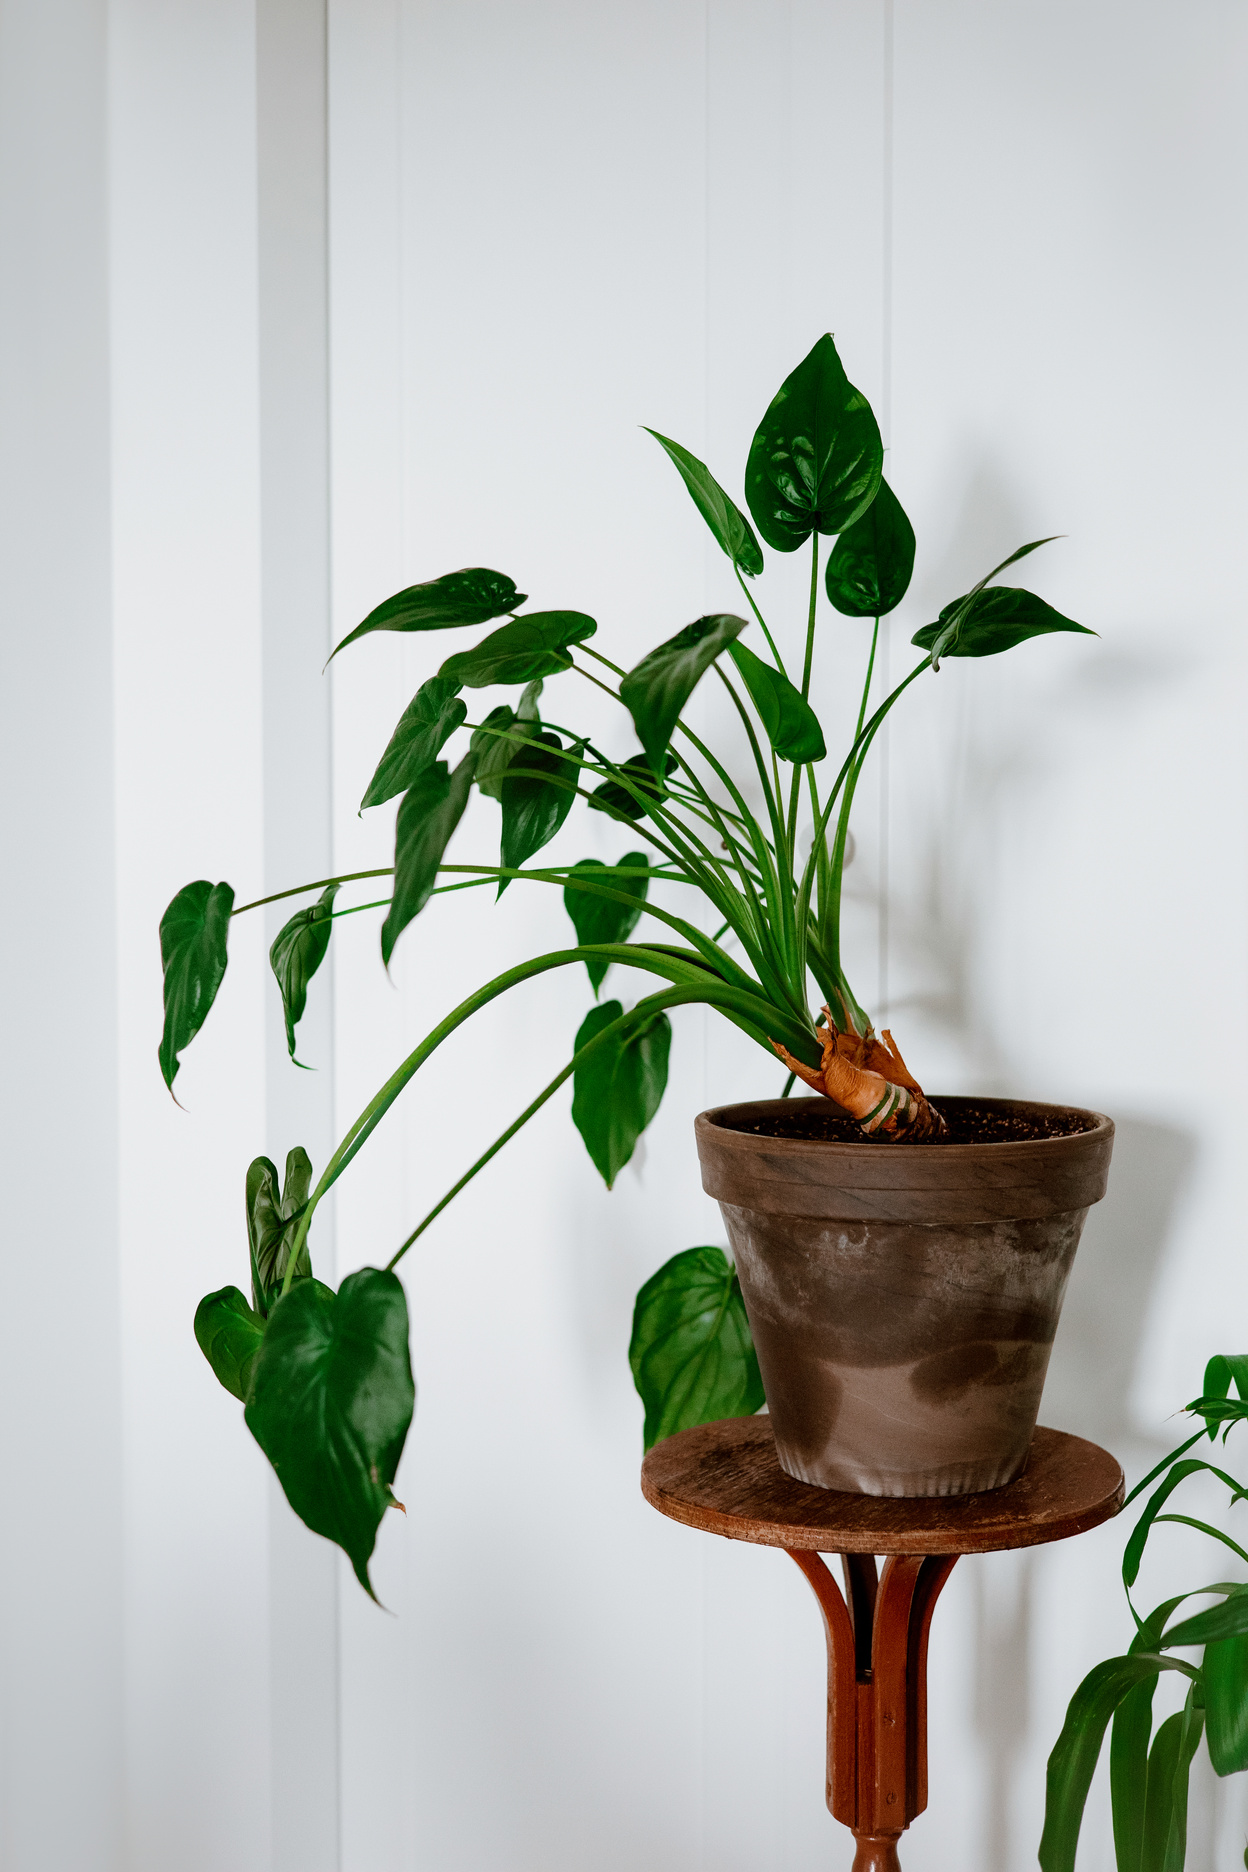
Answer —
(619, 801)
(656, 689)
(1165, 1801)
(428, 814)
(599, 919)
(331, 1400)
(1074, 1757)
(870, 566)
(992, 620)
(815, 461)
(494, 743)
(229, 1336)
(472, 596)
(428, 721)
(271, 1224)
(531, 646)
(298, 950)
(791, 724)
(1128, 1746)
(619, 1088)
(537, 793)
(719, 510)
(1227, 1620)
(1222, 1370)
(1134, 1550)
(193, 934)
(1225, 1671)
(692, 1355)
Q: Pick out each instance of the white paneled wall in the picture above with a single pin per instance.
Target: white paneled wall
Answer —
(305, 302)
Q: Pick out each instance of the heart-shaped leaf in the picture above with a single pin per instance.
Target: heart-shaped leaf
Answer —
(990, 621)
(229, 1336)
(494, 743)
(428, 721)
(791, 724)
(472, 596)
(193, 934)
(621, 801)
(298, 950)
(692, 1355)
(815, 461)
(600, 919)
(331, 1400)
(870, 567)
(428, 814)
(272, 1222)
(719, 510)
(618, 1089)
(656, 689)
(532, 646)
(537, 792)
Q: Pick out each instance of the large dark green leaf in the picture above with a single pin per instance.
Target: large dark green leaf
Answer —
(611, 797)
(719, 510)
(791, 725)
(331, 1400)
(656, 689)
(193, 934)
(692, 1355)
(472, 596)
(428, 814)
(272, 1221)
(1225, 1670)
(428, 721)
(530, 646)
(537, 794)
(229, 1336)
(618, 1089)
(991, 621)
(870, 566)
(495, 742)
(298, 950)
(815, 461)
(1074, 1757)
(600, 919)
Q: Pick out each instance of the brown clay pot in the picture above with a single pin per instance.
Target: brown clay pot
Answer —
(903, 1297)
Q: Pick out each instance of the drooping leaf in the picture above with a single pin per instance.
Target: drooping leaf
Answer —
(537, 793)
(530, 646)
(991, 621)
(815, 461)
(1227, 1620)
(1128, 1745)
(229, 1336)
(1134, 1549)
(599, 919)
(527, 709)
(870, 566)
(472, 596)
(656, 689)
(618, 1089)
(298, 950)
(791, 724)
(692, 1355)
(193, 934)
(1225, 1671)
(331, 1400)
(621, 800)
(1165, 1800)
(272, 1221)
(428, 814)
(719, 510)
(428, 721)
(1223, 1369)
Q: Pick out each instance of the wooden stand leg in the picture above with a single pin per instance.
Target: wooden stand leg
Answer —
(877, 1693)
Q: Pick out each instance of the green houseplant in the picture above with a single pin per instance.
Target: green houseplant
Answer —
(1149, 1768)
(325, 1376)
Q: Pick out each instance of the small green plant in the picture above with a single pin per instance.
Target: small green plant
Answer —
(1149, 1771)
(324, 1376)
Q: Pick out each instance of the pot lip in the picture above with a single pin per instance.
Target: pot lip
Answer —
(712, 1120)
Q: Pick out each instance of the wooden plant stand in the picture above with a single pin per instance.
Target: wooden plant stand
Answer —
(724, 1478)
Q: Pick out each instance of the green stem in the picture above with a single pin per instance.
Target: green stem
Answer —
(866, 687)
(810, 616)
(762, 622)
(348, 877)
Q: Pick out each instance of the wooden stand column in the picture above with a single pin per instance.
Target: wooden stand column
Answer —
(724, 1478)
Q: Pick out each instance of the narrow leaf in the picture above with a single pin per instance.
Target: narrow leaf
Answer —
(472, 596)
(229, 1336)
(870, 567)
(1225, 1671)
(719, 510)
(618, 1089)
(298, 950)
(692, 1355)
(428, 814)
(1227, 1620)
(656, 689)
(331, 1401)
(815, 461)
(428, 721)
(1134, 1550)
(193, 934)
(1074, 1757)
(991, 621)
(537, 793)
(621, 801)
(1128, 1747)
(600, 919)
(791, 724)
(531, 646)
(271, 1224)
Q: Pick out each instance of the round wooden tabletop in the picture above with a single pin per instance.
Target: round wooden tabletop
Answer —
(724, 1477)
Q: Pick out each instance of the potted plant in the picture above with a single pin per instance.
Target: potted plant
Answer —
(899, 1260)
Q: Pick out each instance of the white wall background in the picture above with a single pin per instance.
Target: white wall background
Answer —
(390, 291)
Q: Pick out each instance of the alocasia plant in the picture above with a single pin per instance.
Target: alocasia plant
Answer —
(773, 967)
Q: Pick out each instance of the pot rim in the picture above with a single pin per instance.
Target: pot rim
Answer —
(1102, 1127)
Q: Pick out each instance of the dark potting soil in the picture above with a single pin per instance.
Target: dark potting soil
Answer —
(968, 1121)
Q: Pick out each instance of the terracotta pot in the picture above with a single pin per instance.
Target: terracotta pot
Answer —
(903, 1298)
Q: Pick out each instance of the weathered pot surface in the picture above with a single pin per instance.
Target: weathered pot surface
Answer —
(903, 1298)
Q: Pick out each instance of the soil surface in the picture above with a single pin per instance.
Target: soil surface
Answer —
(969, 1123)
